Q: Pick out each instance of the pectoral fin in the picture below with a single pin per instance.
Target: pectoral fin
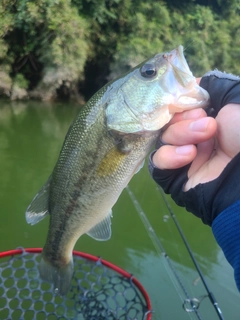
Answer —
(102, 231)
(140, 167)
(38, 208)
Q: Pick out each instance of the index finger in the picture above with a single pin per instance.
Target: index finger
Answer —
(188, 115)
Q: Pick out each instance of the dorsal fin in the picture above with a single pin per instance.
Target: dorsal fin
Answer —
(38, 208)
(102, 231)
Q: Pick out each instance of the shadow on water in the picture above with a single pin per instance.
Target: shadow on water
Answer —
(31, 136)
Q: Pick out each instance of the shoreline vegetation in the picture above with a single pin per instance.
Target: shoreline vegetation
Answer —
(67, 49)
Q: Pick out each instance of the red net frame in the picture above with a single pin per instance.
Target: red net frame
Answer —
(95, 261)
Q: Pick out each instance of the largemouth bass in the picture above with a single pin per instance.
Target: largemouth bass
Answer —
(104, 147)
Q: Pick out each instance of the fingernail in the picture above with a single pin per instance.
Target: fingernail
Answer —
(183, 150)
(199, 125)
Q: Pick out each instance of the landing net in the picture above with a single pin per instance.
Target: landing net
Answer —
(99, 290)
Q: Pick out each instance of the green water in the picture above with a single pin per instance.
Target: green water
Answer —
(31, 135)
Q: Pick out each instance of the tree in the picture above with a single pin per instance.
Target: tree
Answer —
(51, 48)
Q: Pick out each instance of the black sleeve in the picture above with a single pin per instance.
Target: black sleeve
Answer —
(205, 200)
(223, 88)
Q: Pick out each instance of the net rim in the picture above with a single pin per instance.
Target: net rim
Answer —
(91, 257)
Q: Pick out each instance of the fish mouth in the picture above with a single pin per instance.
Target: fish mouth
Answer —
(180, 66)
(188, 93)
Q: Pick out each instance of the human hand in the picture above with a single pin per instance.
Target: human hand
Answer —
(199, 167)
(207, 143)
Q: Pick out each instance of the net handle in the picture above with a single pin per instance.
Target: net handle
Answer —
(95, 259)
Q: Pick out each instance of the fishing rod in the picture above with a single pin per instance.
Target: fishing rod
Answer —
(210, 294)
(194, 303)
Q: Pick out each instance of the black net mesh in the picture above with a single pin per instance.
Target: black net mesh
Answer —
(96, 293)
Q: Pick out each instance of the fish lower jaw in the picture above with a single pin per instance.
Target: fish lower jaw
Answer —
(185, 103)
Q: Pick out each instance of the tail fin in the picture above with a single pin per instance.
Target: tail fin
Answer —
(60, 276)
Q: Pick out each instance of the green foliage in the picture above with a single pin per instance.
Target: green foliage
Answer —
(6, 17)
(20, 81)
(210, 41)
(149, 33)
(68, 31)
(43, 34)
(63, 41)
(6, 26)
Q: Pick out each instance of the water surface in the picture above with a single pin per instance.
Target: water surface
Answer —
(31, 136)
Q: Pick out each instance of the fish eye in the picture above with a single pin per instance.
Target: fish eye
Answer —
(148, 70)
